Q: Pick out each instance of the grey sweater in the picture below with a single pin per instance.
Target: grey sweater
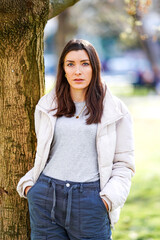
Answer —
(73, 153)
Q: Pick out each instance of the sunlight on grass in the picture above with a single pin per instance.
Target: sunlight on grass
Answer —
(128, 90)
(140, 215)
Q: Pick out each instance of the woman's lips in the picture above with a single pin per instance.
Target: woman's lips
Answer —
(78, 80)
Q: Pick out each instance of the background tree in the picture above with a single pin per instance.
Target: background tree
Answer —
(21, 85)
(65, 31)
(148, 41)
(119, 26)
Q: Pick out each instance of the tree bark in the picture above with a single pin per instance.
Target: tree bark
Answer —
(57, 6)
(21, 85)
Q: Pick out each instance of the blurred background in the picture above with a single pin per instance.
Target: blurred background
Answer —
(126, 35)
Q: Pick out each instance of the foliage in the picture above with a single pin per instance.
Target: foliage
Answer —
(111, 18)
(135, 10)
(135, 6)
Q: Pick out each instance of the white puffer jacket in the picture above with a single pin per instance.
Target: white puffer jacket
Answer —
(114, 146)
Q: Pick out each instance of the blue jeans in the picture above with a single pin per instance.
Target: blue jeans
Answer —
(65, 210)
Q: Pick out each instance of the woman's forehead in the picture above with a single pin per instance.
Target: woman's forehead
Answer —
(76, 55)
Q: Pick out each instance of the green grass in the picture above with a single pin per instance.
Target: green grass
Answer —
(128, 90)
(140, 216)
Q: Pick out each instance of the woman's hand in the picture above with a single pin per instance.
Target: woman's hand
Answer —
(106, 205)
(26, 190)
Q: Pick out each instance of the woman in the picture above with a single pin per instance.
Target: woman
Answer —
(84, 161)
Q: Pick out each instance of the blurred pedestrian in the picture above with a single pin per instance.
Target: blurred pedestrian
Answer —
(84, 161)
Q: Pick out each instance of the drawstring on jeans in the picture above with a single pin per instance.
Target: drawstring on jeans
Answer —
(81, 188)
(69, 203)
(54, 202)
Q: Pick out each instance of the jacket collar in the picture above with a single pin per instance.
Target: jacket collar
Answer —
(111, 111)
(47, 103)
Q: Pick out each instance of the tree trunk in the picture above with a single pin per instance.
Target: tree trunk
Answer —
(151, 49)
(21, 85)
(66, 30)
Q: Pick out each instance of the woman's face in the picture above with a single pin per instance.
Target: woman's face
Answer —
(78, 69)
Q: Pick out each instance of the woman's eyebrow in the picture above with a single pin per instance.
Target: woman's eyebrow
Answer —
(85, 60)
(80, 61)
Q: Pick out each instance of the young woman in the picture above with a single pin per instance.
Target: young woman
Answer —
(84, 161)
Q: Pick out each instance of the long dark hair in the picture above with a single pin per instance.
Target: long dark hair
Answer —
(95, 92)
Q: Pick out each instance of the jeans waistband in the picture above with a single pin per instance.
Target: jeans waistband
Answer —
(95, 184)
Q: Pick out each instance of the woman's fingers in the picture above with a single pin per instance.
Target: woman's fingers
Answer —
(26, 190)
(105, 204)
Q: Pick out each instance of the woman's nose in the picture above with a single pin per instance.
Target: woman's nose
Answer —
(78, 70)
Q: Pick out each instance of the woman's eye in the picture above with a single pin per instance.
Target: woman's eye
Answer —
(70, 64)
(85, 64)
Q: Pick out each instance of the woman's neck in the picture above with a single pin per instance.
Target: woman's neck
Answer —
(78, 95)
